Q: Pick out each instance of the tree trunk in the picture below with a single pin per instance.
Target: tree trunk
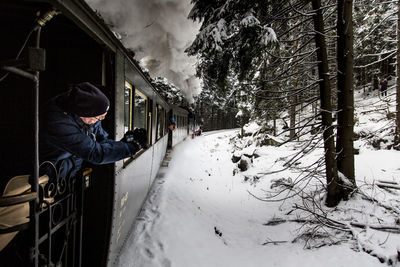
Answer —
(292, 112)
(334, 194)
(293, 103)
(274, 125)
(397, 133)
(345, 92)
(212, 118)
(375, 83)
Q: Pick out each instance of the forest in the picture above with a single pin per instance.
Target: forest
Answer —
(268, 61)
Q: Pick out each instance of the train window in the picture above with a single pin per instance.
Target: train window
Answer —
(166, 122)
(136, 109)
(140, 110)
(160, 122)
(149, 119)
(128, 107)
(136, 106)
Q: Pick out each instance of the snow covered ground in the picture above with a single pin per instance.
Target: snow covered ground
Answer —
(200, 213)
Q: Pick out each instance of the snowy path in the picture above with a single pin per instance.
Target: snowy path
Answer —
(199, 215)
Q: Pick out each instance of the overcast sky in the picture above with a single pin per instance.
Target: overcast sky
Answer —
(159, 32)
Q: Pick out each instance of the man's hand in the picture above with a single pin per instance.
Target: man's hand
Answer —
(128, 137)
(140, 136)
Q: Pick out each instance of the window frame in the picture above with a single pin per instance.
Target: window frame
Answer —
(147, 100)
(131, 120)
(129, 86)
(160, 121)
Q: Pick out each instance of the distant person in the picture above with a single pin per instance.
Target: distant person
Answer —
(384, 85)
(172, 124)
(199, 131)
(71, 132)
(171, 127)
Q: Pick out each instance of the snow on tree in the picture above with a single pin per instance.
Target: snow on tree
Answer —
(169, 91)
(375, 41)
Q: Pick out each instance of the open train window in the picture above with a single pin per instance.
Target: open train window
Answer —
(136, 111)
(135, 108)
(140, 110)
(128, 119)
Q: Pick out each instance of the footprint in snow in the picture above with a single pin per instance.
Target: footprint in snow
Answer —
(148, 253)
(219, 234)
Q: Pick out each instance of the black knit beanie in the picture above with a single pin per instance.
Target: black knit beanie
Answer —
(86, 100)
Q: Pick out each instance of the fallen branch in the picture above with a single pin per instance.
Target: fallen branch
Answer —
(329, 222)
(273, 242)
(375, 201)
(274, 222)
(387, 182)
(373, 110)
(382, 185)
(392, 229)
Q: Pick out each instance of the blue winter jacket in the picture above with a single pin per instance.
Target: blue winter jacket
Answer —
(66, 141)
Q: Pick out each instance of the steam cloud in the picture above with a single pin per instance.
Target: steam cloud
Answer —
(158, 31)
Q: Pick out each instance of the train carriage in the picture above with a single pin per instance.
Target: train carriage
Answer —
(181, 131)
(47, 45)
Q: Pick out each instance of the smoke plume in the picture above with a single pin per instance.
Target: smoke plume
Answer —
(158, 31)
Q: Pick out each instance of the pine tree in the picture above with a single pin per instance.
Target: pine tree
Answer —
(334, 191)
(345, 90)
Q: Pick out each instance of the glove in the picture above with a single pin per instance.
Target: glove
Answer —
(128, 137)
(137, 136)
(140, 136)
